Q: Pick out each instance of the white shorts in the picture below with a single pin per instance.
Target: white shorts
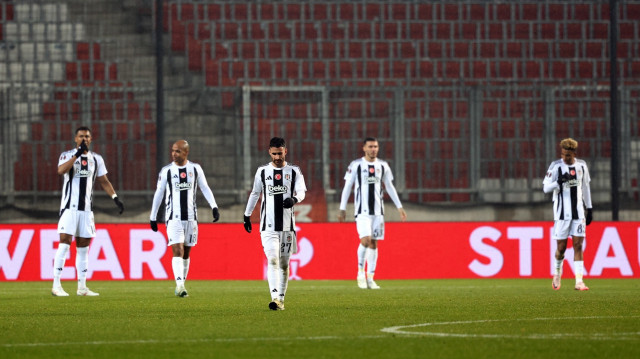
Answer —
(370, 226)
(182, 232)
(77, 223)
(562, 229)
(279, 244)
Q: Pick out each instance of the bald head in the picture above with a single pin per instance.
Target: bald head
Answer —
(180, 152)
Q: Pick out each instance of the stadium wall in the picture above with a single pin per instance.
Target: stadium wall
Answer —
(327, 251)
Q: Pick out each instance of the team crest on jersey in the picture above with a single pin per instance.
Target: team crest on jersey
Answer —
(273, 190)
(183, 175)
(287, 177)
(278, 177)
(288, 238)
(190, 174)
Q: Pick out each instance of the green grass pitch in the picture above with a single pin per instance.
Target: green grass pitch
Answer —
(479, 318)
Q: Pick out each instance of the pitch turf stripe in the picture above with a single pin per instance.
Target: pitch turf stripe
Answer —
(164, 341)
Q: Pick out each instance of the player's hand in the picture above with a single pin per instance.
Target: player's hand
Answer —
(81, 149)
(247, 224)
(119, 204)
(403, 214)
(589, 216)
(342, 215)
(216, 214)
(289, 202)
(154, 225)
(563, 177)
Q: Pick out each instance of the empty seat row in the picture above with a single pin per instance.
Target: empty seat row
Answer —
(235, 72)
(375, 11)
(30, 12)
(34, 71)
(49, 31)
(37, 51)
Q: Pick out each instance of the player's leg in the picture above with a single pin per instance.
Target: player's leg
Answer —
(58, 264)
(186, 261)
(363, 226)
(287, 243)
(578, 263)
(86, 231)
(377, 234)
(372, 262)
(191, 239)
(175, 232)
(82, 266)
(67, 227)
(560, 234)
(271, 247)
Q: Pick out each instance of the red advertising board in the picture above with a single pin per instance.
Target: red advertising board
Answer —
(328, 251)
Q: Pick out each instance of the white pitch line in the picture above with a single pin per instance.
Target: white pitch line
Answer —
(204, 340)
(401, 329)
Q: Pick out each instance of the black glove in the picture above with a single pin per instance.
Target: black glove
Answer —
(216, 214)
(289, 202)
(154, 225)
(247, 224)
(562, 178)
(81, 149)
(589, 216)
(119, 204)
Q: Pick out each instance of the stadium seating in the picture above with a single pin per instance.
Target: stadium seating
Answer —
(43, 50)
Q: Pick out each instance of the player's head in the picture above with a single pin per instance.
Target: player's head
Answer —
(83, 133)
(278, 151)
(370, 148)
(568, 148)
(180, 152)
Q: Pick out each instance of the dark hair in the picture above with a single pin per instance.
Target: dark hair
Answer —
(277, 142)
(83, 128)
(372, 139)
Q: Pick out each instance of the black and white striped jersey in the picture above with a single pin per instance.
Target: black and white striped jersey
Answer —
(570, 200)
(366, 179)
(276, 184)
(77, 190)
(179, 184)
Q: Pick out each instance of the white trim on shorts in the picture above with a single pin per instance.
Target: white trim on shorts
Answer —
(283, 242)
(185, 232)
(77, 223)
(370, 226)
(562, 228)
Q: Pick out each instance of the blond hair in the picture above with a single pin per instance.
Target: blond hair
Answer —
(569, 144)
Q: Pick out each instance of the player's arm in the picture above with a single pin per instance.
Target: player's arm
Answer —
(550, 182)
(157, 196)
(253, 200)
(208, 195)
(157, 201)
(300, 192)
(586, 194)
(66, 166)
(346, 192)
(108, 187)
(205, 189)
(254, 195)
(393, 194)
